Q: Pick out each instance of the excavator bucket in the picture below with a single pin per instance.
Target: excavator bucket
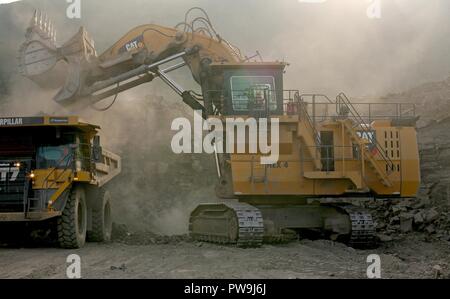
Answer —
(50, 66)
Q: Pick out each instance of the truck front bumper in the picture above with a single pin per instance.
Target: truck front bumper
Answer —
(24, 217)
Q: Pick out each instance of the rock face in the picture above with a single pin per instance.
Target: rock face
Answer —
(429, 213)
(416, 217)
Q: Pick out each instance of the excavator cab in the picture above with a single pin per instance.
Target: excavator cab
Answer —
(249, 89)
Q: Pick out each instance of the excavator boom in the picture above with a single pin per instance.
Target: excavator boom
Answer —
(137, 55)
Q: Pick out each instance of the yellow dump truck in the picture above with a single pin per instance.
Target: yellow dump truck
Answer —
(55, 168)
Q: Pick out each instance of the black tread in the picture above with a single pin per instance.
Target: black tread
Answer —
(96, 234)
(363, 229)
(66, 224)
(249, 222)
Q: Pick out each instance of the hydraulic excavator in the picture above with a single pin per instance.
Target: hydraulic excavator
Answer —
(334, 154)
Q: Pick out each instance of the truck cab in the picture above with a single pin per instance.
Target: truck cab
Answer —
(43, 160)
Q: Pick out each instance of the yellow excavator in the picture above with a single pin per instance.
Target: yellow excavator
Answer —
(333, 154)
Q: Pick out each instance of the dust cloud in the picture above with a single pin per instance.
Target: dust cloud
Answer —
(332, 47)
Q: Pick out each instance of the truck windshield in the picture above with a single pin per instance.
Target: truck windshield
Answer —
(53, 157)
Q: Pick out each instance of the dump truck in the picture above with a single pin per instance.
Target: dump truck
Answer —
(334, 153)
(54, 168)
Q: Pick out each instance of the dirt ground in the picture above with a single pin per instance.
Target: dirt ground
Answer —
(177, 257)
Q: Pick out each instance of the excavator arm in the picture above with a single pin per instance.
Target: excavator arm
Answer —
(137, 58)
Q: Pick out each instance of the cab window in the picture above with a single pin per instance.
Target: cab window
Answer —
(253, 93)
(53, 157)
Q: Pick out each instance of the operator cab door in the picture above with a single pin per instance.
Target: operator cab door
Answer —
(82, 153)
(327, 150)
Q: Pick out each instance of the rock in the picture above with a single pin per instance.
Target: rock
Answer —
(446, 237)
(123, 267)
(437, 271)
(406, 225)
(431, 216)
(406, 216)
(423, 203)
(394, 220)
(418, 218)
(398, 209)
(119, 231)
(430, 229)
(385, 238)
(405, 203)
(381, 225)
(394, 228)
(423, 193)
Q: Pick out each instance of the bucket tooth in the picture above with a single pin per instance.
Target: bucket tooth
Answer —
(50, 30)
(44, 23)
(47, 26)
(40, 19)
(34, 19)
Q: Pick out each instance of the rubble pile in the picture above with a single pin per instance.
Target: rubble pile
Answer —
(429, 213)
(399, 216)
(121, 234)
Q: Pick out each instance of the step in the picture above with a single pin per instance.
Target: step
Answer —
(354, 176)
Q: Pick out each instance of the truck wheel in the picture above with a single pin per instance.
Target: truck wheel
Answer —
(101, 218)
(71, 226)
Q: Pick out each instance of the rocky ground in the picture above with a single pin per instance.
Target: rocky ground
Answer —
(149, 256)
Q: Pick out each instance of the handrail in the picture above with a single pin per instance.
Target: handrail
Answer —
(329, 157)
(46, 180)
(317, 95)
(69, 156)
(304, 113)
(342, 100)
(367, 110)
(70, 159)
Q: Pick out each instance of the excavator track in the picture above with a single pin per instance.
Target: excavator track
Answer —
(362, 233)
(228, 223)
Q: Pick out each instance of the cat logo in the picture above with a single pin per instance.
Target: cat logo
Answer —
(12, 172)
(134, 44)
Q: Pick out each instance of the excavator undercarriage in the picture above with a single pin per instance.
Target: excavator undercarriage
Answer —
(327, 149)
(245, 225)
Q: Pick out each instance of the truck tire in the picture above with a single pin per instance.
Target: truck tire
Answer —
(101, 218)
(72, 225)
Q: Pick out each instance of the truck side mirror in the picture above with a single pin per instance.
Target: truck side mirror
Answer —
(97, 150)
